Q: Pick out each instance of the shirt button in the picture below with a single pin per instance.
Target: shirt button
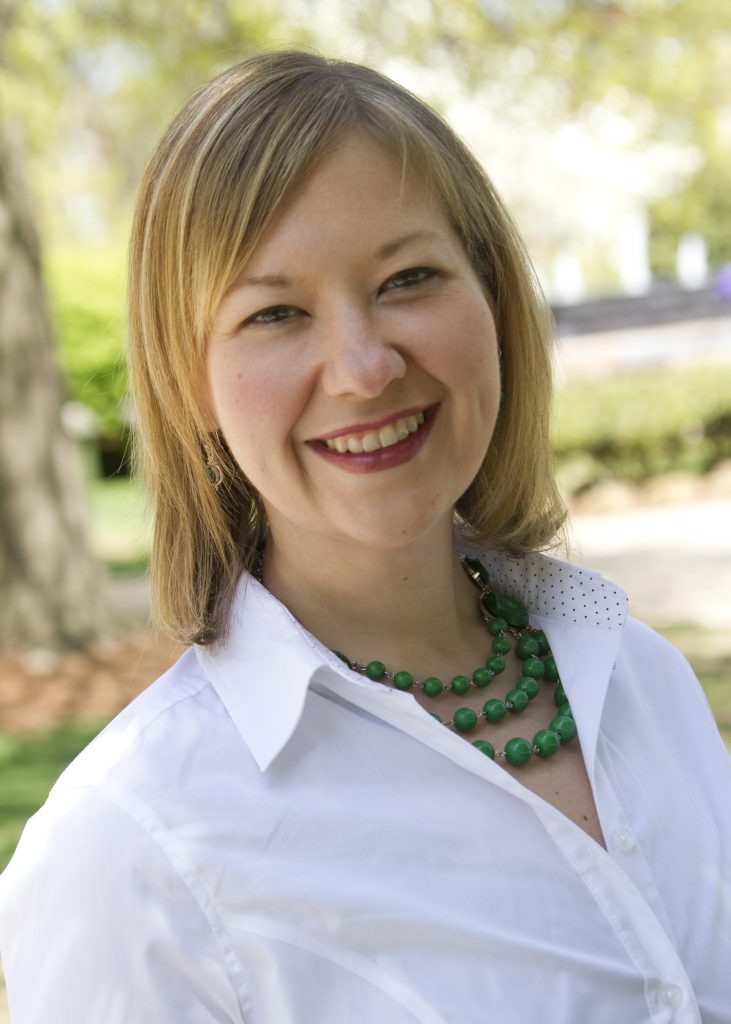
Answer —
(624, 840)
(670, 995)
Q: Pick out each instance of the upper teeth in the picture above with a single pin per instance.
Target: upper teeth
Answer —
(375, 439)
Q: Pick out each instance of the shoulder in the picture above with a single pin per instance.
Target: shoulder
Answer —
(136, 783)
(104, 861)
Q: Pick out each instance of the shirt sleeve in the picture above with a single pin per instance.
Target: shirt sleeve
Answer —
(97, 925)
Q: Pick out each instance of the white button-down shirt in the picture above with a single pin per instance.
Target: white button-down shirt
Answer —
(264, 836)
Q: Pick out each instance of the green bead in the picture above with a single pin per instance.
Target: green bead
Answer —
(559, 695)
(501, 645)
(565, 710)
(432, 686)
(436, 716)
(517, 701)
(464, 719)
(375, 670)
(540, 637)
(343, 658)
(478, 568)
(494, 710)
(533, 667)
(518, 751)
(460, 685)
(565, 727)
(496, 626)
(551, 668)
(527, 647)
(507, 608)
(403, 680)
(528, 685)
(485, 747)
(481, 677)
(495, 664)
(546, 743)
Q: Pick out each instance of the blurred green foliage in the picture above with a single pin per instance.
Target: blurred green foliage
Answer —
(634, 426)
(703, 207)
(86, 286)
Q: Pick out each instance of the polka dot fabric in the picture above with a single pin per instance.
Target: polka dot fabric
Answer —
(556, 589)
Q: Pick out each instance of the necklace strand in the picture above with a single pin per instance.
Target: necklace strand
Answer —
(505, 618)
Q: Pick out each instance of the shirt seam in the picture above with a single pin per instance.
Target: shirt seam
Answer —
(217, 929)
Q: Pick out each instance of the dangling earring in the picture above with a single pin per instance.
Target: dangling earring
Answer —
(503, 397)
(213, 466)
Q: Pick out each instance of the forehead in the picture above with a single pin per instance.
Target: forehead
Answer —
(359, 188)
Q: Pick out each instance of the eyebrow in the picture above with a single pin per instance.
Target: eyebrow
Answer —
(391, 248)
(279, 281)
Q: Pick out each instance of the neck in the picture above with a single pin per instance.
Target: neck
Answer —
(402, 604)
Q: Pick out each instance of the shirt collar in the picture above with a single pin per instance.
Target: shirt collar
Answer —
(263, 671)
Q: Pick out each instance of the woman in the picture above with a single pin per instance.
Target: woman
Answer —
(341, 365)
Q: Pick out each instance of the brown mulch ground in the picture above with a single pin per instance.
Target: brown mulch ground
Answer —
(42, 690)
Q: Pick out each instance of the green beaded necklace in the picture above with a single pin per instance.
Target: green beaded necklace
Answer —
(505, 618)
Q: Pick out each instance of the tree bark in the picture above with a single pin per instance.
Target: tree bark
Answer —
(51, 593)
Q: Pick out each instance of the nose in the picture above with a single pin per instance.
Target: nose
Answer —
(358, 358)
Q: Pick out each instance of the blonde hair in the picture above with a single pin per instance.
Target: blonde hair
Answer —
(223, 170)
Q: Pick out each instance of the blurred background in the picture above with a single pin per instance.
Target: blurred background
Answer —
(606, 126)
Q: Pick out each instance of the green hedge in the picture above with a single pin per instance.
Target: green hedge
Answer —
(634, 426)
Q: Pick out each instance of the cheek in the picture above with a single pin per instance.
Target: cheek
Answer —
(471, 355)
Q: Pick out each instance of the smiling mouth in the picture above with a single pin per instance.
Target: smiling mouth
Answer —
(375, 440)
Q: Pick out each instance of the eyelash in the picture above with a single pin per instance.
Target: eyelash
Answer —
(272, 315)
(425, 273)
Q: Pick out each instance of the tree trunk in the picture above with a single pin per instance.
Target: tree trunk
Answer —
(50, 586)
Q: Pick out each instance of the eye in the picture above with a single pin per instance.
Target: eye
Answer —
(272, 315)
(409, 278)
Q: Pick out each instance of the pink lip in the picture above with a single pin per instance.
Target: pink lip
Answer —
(363, 428)
(384, 458)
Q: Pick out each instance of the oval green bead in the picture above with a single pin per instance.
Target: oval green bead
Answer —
(501, 645)
(559, 695)
(375, 670)
(436, 716)
(403, 680)
(565, 727)
(518, 751)
(496, 626)
(527, 647)
(565, 710)
(507, 608)
(546, 743)
(517, 701)
(485, 747)
(494, 710)
(551, 669)
(495, 664)
(343, 658)
(541, 639)
(481, 677)
(529, 685)
(533, 667)
(432, 686)
(460, 685)
(464, 719)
